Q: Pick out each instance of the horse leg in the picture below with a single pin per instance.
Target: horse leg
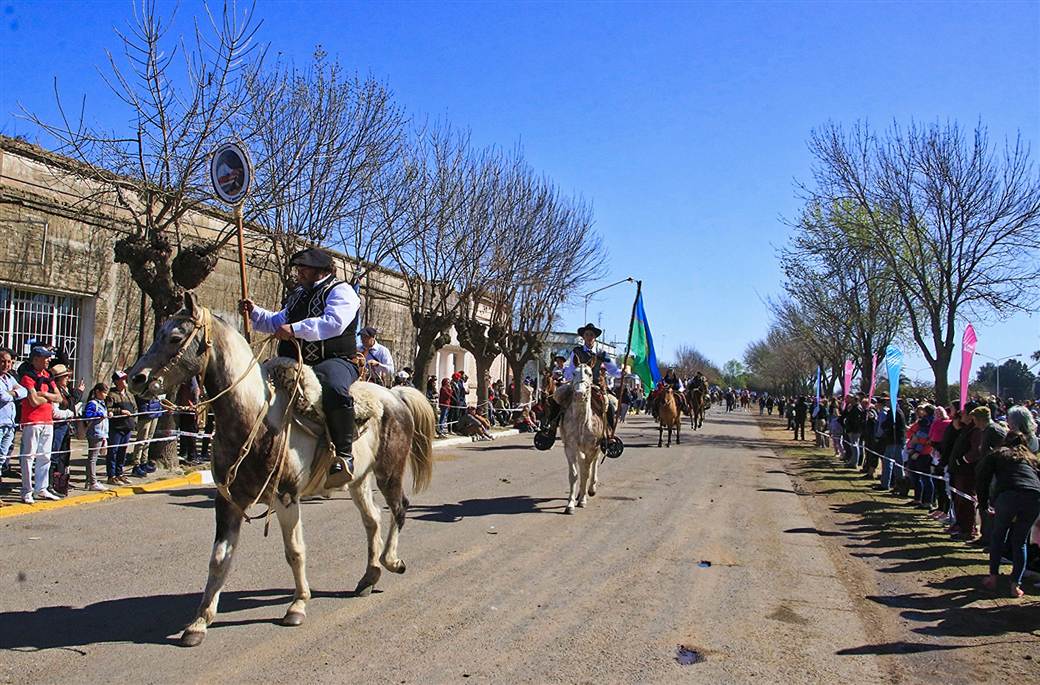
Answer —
(678, 431)
(594, 475)
(583, 484)
(572, 476)
(296, 554)
(393, 493)
(660, 434)
(361, 493)
(229, 524)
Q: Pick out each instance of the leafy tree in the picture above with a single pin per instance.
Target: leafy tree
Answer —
(1016, 380)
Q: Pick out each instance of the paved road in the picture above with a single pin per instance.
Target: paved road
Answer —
(501, 585)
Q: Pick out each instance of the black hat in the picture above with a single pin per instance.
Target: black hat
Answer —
(591, 328)
(368, 332)
(313, 257)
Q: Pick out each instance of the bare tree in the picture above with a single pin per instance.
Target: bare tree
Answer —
(956, 219)
(689, 360)
(327, 141)
(849, 290)
(429, 205)
(182, 97)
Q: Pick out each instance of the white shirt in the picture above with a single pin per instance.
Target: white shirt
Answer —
(341, 307)
(608, 367)
(384, 361)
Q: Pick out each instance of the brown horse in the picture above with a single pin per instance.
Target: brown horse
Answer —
(270, 446)
(669, 416)
(695, 401)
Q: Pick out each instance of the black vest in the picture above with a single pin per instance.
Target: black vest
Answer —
(305, 303)
(583, 356)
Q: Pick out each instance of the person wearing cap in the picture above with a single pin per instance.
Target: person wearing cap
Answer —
(558, 360)
(378, 358)
(320, 314)
(38, 426)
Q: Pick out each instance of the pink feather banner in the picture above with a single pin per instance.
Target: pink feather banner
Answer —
(848, 378)
(967, 352)
(873, 375)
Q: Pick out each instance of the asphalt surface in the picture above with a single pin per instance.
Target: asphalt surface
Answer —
(682, 547)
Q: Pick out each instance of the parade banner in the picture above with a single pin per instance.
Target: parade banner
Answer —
(967, 352)
(894, 366)
(873, 375)
(845, 387)
(643, 358)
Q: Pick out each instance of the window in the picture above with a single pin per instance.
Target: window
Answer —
(48, 319)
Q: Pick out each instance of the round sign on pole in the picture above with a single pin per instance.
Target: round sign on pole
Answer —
(231, 173)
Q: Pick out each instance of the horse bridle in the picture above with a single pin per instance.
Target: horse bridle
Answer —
(201, 322)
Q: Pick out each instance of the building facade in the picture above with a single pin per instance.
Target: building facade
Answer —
(60, 286)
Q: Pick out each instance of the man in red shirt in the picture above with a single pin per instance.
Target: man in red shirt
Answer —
(37, 426)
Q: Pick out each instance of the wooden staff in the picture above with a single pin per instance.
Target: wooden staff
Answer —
(242, 267)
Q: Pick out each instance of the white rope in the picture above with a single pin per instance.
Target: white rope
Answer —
(169, 435)
(944, 478)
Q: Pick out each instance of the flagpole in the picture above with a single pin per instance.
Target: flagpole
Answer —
(628, 342)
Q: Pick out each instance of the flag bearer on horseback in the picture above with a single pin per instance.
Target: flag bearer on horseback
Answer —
(585, 353)
(321, 315)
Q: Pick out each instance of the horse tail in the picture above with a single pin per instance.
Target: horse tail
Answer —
(424, 425)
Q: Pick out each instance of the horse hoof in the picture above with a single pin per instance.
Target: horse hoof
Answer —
(293, 618)
(592, 493)
(192, 639)
(364, 589)
(569, 509)
(397, 567)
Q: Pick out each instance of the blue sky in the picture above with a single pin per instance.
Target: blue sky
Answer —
(683, 123)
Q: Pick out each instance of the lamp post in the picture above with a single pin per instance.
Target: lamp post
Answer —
(997, 362)
(588, 296)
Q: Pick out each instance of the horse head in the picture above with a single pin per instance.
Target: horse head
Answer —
(180, 351)
(582, 380)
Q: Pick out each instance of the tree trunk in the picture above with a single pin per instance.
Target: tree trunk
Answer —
(516, 370)
(483, 374)
(941, 368)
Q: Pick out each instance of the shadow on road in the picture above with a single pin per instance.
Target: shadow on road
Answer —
(467, 508)
(156, 619)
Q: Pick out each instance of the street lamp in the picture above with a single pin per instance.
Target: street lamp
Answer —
(588, 296)
(997, 361)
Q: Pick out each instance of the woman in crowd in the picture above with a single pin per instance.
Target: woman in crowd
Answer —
(444, 402)
(524, 421)
(834, 425)
(919, 456)
(1016, 504)
(96, 414)
(940, 425)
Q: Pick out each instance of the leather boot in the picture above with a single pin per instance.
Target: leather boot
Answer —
(341, 429)
(553, 414)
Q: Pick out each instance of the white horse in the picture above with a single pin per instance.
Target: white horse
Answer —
(271, 448)
(582, 431)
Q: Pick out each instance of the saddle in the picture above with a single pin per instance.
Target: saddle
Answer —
(281, 374)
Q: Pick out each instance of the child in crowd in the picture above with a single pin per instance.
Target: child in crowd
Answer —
(96, 413)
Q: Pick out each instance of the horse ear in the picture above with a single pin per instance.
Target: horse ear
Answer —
(191, 301)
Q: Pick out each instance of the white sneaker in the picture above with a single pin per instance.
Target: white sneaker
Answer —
(46, 494)
(97, 487)
(28, 499)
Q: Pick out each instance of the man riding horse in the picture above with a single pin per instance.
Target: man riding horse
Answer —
(321, 315)
(602, 366)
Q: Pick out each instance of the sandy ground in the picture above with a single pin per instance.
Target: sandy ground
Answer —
(501, 585)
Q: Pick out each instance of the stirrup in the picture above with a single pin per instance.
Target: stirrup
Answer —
(342, 476)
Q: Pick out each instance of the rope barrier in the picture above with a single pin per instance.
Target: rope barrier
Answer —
(944, 478)
(170, 435)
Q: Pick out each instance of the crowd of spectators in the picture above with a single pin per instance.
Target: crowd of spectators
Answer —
(40, 403)
(975, 468)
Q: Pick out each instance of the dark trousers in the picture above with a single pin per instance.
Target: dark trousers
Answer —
(187, 444)
(116, 452)
(964, 510)
(60, 447)
(799, 427)
(336, 376)
(1016, 512)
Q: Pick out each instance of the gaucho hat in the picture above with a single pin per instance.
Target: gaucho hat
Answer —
(590, 328)
(314, 257)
